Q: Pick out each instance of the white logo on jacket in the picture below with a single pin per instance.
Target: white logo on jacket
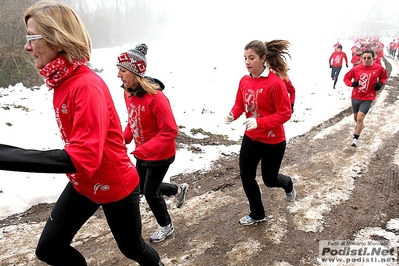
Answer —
(363, 82)
(100, 186)
(251, 102)
(64, 109)
(134, 116)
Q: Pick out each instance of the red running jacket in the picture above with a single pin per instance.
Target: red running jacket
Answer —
(290, 90)
(266, 99)
(336, 59)
(151, 125)
(367, 76)
(91, 130)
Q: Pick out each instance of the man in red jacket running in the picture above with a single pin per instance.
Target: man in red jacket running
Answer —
(335, 62)
(366, 79)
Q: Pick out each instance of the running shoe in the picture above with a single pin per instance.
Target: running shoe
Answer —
(182, 196)
(291, 196)
(161, 233)
(246, 220)
(354, 142)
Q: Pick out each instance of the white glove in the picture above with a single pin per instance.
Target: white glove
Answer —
(250, 123)
(229, 118)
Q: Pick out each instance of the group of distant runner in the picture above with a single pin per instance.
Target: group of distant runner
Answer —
(366, 77)
(393, 47)
(374, 43)
(360, 45)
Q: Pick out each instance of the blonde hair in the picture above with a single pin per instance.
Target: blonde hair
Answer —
(275, 52)
(142, 85)
(61, 27)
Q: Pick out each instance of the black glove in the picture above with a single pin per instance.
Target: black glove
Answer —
(292, 107)
(330, 66)
(355, 84)
(378, 86)
(346, 65)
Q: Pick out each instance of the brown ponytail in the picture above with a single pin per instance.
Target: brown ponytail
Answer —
(276, 60)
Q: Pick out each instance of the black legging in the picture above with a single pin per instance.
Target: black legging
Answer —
(151, 175)
(72, 210)
(270, 155)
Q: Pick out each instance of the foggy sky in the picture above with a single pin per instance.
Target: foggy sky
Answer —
(272, 19)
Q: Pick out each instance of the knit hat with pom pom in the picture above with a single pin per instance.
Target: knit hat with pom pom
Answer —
(134, 60)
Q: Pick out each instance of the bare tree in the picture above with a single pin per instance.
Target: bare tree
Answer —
(110, 23)
(15, 64)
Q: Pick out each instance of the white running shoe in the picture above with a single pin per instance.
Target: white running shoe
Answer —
(182, 196)
(247, 220)
(161, 233)
(354, 142)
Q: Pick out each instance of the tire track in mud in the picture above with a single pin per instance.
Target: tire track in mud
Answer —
(331, 170)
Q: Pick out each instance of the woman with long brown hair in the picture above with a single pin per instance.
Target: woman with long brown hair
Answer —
(263, 97)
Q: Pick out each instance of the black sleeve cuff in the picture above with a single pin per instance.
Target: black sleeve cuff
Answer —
(22, 160)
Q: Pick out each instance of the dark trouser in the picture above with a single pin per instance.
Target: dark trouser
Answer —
(270, 155)
(335, 73)
(151, 175)
(72, 210)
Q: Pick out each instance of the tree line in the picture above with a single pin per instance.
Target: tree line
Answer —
(109, 23)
